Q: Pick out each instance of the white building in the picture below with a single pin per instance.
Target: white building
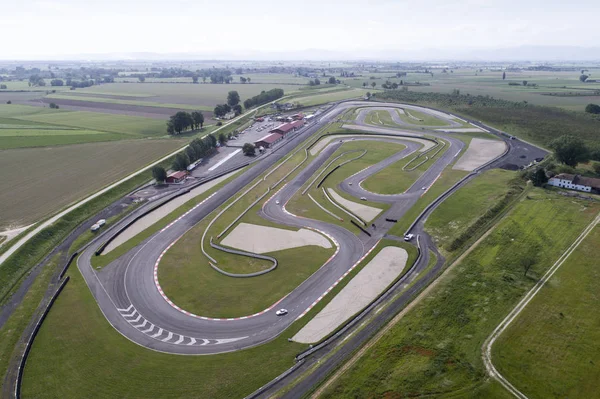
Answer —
(575, 182)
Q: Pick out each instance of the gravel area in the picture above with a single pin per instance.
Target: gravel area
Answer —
(364, 211)
(153, 217)
(479, 152)
(263, 239)
(379, 273)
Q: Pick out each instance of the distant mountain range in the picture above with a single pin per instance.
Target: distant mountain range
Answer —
(521, 53)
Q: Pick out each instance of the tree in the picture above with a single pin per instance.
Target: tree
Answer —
(237, 109)
(249, 80)
(539, 178)
(248, 149)
(373, 84)
(331, 80)
(365, 84)
(524, 83)
(181, 162)
(243, 79)
(503, 75)
(212, 139)
(394, 85)
(221, 109)
(368, 95)
(142, 79)
(583, 77)
(180, 122)
(570, 150)
(159, 173)
(54, 106)
(222, 138)
(195, 79)
(592, 108)
(56, 82)
(9, 102)
(317, 82)
(3, 87)
(233, 98)
(198, 119)
(596, 167)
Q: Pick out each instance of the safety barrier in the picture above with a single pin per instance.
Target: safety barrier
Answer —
(243, 253)
(34, 333)
(64, 270)
(360, 227)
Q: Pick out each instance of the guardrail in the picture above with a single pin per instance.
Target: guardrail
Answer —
(325, 209)
(34, 333)
(64, 270)
(244, 212)
(243, 253)
(360, 227)
(353, 321)
(342, 208)
(169, 198)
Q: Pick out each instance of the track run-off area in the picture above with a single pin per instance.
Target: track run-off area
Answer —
(128, 290)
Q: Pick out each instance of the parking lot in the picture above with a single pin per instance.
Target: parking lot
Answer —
(255, 132)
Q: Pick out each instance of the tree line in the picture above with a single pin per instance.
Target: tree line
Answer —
(263, 98)
(182, 121)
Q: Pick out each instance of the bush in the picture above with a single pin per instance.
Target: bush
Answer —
(219, 123)
(54, 106)
(592, 109)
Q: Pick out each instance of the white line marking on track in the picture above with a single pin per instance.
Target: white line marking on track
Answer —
(125, 310)
(180, 340)
(160, 331)
(222, 161)
(130, 314)
(192, 342)
(137, 319)
(149, 329)
(168, 337)
(141, 325)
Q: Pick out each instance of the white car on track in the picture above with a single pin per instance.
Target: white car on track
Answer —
(281, 312)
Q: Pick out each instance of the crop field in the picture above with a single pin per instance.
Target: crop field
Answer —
(551, 349)
(192, 94)
(335, 95)
(436, 349)
(61, 175)
(559, 89)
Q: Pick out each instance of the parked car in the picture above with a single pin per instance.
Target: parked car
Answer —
(101, 222)
(95, 227)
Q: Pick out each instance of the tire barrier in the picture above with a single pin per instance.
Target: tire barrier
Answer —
(342, 208)
(34, 333)
(325, 209)
(427, 158)
(360, 227)
(340, 165)
(243, 253)
(64, 270)
(324, 169)
(103, 246)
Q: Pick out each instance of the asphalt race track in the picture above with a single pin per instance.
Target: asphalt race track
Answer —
(130, 300)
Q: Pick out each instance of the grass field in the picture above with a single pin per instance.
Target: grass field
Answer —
(323, 98)
(436, 347)
(302, 205)
(78, 97)
(61, 175)
(463, 207)
(551, 349)
(394, 180)
(422, 118)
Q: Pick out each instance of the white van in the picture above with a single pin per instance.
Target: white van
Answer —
(101, 222)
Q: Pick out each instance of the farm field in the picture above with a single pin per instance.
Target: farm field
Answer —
(322, 98)
(551, 349)
(572, 94)
(61, 175)
(436, 349)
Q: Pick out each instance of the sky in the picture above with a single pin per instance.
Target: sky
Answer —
(39, 29)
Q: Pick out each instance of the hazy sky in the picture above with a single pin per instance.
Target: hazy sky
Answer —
(39, 28)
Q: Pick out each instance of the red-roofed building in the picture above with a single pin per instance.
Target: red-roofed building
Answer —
(288, 127)
(176, 177)
(269, 140)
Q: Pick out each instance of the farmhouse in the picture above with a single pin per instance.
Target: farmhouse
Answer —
(575, 182)
(268, 140)
(288, 127)
(176, 177)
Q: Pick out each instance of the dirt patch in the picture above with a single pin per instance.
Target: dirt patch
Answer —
(380, 272)
(479, 152)
(263, 239)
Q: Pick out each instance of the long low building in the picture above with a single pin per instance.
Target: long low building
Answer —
(575, 182)
(269, 140)
(288, 127)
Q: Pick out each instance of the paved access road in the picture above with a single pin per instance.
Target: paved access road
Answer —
(128, 296)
